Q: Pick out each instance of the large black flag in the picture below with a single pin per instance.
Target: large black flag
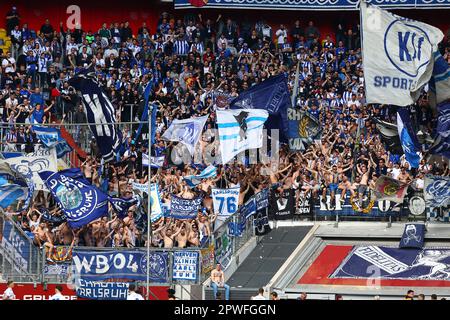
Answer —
(99, 112)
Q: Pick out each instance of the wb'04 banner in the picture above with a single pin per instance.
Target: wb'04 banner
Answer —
(395, 263)
(96, 290)
(184, 208)
(225, 201)
(306, 5)
(104, 265)
(185, 265)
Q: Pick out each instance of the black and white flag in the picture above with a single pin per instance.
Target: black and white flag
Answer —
(99, 112)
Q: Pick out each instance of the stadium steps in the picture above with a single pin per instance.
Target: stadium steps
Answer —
(263, 262)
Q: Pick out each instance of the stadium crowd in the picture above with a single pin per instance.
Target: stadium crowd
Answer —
(195, 65)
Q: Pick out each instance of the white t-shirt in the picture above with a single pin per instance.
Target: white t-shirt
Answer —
(134, 296)
(7, 61)
(9, 294)
(259, 297)
(281, 34)
(57, 296)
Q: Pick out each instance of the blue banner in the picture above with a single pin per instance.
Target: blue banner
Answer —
(441, 143)
(325, 5)
(51, 138)
(185, 265)
(103, 265)
(271, 95)
(99, 112)
(80, 201)
(121, 206)
(413, 236)
(304, 128)
(184, 208)
(96, 290)
(395, 263)
(15, 245)
(262, 199)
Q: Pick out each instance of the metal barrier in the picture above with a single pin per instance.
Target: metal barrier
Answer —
(20, 257)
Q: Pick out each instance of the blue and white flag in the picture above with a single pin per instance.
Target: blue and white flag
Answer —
(240, 130)
(10, 193)
(413, 236)
(394, 263)
(96, 290)
(437, 191)
(19, 186)
(408, 138)
(186, 265)
(187, 131)
(184, 209)
(271, 95)
(440, 81)
(121, 206)
(397, 56)
(97, 265)
(43, 160)
(441, 143)
(155, 203)
(144, 117)
(194, 180)
(155, 162)
(51, 138)
(100, 113)
(225, 201)
(80, 201)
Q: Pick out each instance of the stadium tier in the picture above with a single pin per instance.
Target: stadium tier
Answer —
(216, 150)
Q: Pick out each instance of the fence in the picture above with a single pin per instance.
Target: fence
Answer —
(20, 258)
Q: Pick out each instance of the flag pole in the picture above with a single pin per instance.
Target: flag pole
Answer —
(149, 213)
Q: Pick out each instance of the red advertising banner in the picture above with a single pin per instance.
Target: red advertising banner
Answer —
(29, 292)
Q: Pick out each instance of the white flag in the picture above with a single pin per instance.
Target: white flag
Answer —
(240, 130)
(397, 55)
(187, 131)
(40, 161)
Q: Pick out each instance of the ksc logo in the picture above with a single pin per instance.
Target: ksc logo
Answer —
(407, 47)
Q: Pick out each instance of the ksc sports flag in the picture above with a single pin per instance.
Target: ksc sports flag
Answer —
(186, 131)
(437, 191)
(408, 139)
(80, 201)
(271, 95)
(100, 113)
(387, 188)
(240, 130)
(397, 56)
(193, 180)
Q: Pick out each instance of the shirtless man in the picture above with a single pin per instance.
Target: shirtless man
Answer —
(365, 174)
(182, 237)
(404, 176)
(332, 182)
(169, 236)
(43, 238)
(218, 281)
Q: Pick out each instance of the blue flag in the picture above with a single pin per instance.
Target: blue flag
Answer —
(99, 112)
(144, 117)
(413, 236)
(121, 206)
(271, 95)
(187, 131)
(209, 172)
(80, 201)
(441, 143)
(15, 186)
(51, 138)
(408, 138)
